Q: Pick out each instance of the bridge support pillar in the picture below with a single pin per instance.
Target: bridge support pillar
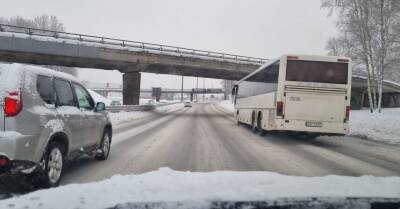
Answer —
(156, 93)
(131, 88)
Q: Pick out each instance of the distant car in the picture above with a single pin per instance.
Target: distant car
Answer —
(115, 103)
(188, 104)
(46, 117)
(151, 102)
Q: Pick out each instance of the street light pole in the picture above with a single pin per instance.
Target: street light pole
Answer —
(197, 85)
(204, 87)
(182, 90)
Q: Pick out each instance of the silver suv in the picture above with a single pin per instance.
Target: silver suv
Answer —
(47, 117)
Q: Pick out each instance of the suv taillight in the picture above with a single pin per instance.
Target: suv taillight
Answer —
(12, 104)
(347, 113)
(279, 108)
(4, 161)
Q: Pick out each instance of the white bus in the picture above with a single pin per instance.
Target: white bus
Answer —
(308, 95)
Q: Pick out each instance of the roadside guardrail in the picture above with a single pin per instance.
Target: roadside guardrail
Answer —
(129, 108)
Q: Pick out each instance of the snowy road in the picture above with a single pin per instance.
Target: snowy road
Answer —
(206, 138)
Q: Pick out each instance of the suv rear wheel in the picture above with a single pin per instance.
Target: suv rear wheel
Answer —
(53, 166)
(105, 146)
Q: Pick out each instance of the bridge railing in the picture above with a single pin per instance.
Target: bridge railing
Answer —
(129, 108)
(132, 45)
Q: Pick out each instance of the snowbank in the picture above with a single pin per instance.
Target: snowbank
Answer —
(383, 127)
(121, 117)
(152, 101)
(168, 185)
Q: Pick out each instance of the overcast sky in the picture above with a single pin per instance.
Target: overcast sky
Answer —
(259, 28)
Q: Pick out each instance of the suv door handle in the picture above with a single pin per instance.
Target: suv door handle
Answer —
(66, 116)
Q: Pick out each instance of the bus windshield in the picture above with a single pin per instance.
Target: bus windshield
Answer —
(317, 72)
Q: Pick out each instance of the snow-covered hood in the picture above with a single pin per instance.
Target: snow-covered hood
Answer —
(166, 185)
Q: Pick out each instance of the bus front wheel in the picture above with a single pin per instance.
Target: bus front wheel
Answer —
(254, 123)
(259, 125)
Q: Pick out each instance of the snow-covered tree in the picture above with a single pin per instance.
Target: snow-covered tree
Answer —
(369, 34)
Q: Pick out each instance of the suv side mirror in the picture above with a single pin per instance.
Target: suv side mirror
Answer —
(100, 106)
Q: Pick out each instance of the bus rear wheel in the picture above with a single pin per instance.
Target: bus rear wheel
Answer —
(237, 118)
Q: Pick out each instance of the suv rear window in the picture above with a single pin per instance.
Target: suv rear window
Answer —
(318, 72)
(45, 89)
(64, 93)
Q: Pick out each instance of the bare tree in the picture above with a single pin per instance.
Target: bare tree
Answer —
(355, 20)
(341, 46)
(41, 22)
(387, 19)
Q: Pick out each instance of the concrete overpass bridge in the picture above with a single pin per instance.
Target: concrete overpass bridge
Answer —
(359, 93)
(45, 47)
(105, 91)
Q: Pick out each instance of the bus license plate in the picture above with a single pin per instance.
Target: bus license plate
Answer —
(313, 124)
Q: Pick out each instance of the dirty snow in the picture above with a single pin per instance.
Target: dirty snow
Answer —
(168, 185)
(121, 117)
(382, 127)
(56, 125)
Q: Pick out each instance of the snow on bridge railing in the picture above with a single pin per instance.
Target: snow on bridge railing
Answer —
(130, 45)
